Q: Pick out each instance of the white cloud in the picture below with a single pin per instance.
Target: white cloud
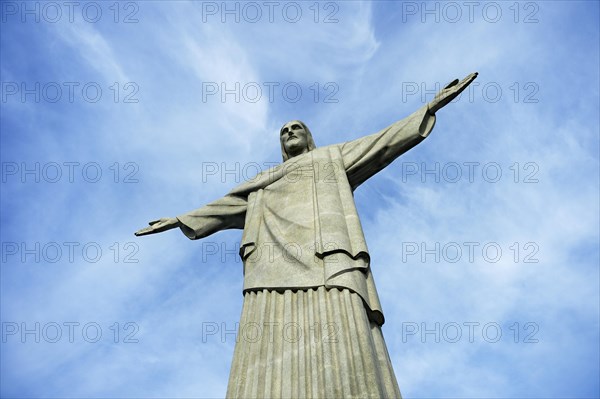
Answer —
(172, 290)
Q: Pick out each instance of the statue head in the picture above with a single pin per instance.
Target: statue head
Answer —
(296, 139)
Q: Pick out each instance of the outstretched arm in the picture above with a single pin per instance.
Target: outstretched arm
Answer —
(228, 212)
(450, 92)
(366, 156)
(158, 226)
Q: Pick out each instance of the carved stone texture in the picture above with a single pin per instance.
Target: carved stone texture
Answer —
(311, 319)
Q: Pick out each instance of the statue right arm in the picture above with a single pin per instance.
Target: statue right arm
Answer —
(228, 212)
(158, 226)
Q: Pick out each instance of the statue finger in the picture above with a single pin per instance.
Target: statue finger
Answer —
(144, 231)
(467, 81)
(453, 83)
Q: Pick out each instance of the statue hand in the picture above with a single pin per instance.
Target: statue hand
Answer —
(450, 92)
(158, 226)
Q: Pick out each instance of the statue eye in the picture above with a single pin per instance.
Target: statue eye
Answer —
(285, 130)
(296, 127)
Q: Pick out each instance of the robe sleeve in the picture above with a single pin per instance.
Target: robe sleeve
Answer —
(228, 212)
(366, 156)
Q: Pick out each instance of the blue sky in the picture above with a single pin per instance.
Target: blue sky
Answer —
(119, 115)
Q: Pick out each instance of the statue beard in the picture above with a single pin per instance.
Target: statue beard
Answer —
(310, 143)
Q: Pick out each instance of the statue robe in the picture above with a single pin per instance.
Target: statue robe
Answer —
(303, 246)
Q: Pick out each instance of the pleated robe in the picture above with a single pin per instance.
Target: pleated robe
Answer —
(311, 319)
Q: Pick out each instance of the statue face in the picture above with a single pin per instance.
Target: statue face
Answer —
(294, 138)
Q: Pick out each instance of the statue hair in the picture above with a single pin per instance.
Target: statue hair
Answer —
(309, 139)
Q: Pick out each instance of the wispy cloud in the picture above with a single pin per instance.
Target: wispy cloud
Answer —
(541, 133)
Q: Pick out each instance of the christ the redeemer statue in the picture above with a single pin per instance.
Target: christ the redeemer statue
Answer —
(311, 318)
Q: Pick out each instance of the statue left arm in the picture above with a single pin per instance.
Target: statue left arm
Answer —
(366, 156)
